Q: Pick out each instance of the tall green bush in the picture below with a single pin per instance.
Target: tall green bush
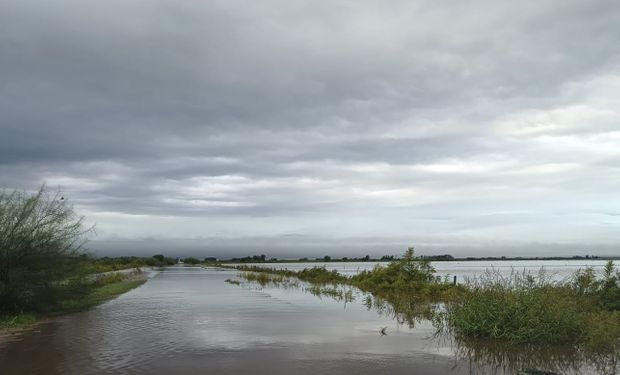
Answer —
(406, 274)
(40, 239)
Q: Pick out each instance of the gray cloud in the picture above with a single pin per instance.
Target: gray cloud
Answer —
(390, 124)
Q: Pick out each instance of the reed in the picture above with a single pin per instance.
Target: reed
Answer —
(523, 308)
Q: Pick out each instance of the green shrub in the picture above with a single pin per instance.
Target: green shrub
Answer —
(609, 290)
(191, 260)
(409, 275)
(40, 236)
(320, 275)
(525, 309)
(537, 314)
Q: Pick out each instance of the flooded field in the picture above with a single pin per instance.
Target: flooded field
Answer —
(189, 320)
(556, 269)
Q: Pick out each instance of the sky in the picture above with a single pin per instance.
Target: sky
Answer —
(301, 128)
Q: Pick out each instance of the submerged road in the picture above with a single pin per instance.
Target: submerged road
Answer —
(188, 320)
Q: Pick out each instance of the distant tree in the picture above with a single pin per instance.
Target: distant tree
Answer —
(254, 259)
(191, 260)
(439, 257)
(160, 258)
(40, 240)
(152, 262)
(327, 258)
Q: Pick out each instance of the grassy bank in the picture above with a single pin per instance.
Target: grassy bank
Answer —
(97, 296)
(17, 320)
(77, 298)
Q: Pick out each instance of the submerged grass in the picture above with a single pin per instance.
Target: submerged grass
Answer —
(316, 275)
(334, 292)
(266, 278)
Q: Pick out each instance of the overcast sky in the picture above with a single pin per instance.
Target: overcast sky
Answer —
(319, 127)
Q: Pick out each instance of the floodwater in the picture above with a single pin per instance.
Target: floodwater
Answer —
(557, 270)
(188, 320)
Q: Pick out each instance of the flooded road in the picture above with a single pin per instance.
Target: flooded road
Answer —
(188, 320)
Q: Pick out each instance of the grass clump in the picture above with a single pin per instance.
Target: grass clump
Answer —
(518, 310)
(320, 275)
(526, 309)
(263, 278)
(405, 273)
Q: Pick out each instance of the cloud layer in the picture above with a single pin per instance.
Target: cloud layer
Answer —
(335, 126)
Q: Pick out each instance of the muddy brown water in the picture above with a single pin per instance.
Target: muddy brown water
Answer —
(188, 320)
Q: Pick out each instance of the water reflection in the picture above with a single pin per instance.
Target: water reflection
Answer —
(407, 312)
(529, 358)
(480, 356)
(50, 361)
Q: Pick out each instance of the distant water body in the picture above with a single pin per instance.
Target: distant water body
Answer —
(556, 270)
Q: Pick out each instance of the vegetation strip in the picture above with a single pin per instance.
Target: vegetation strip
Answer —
(104, 291)
(522, 308)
